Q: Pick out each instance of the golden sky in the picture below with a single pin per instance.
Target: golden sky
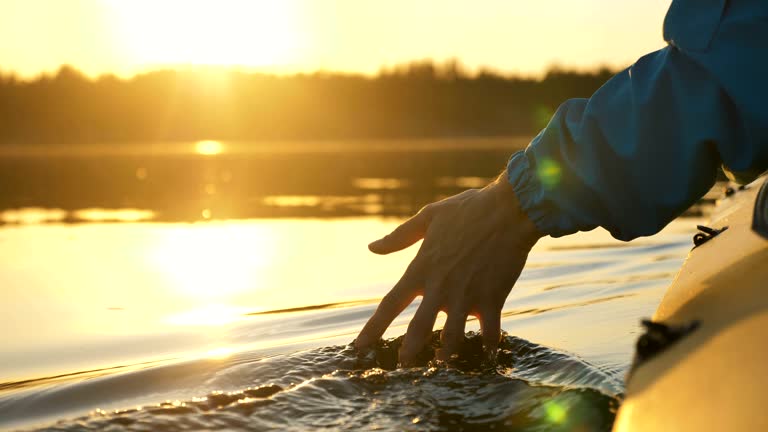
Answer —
(513, 36)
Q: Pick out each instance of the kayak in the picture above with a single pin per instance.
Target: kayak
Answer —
(702, 364)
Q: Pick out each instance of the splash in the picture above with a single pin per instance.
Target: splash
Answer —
(526, 387)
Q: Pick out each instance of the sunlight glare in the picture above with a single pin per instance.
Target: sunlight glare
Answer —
(213, 261)
(208, 147)
(194, 32)
(208, 316)
(219, 353)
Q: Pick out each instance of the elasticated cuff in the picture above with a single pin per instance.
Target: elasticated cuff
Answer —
(530, 194)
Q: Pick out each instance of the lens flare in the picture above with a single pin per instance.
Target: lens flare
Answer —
(549, 173)
(555, 412)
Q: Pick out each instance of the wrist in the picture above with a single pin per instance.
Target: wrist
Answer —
(506, 200)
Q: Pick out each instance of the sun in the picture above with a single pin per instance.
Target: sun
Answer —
(218, 33)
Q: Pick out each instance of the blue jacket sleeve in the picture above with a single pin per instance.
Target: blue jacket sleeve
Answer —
(649, 142)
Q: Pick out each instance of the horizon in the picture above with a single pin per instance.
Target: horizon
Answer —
(449, 69)
(302, 37)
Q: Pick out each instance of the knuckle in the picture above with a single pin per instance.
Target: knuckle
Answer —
(428, 211)
(389, 298)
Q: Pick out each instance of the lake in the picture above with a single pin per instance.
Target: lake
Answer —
(211, 286)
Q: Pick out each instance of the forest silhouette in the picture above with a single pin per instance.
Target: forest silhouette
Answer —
(415, 100)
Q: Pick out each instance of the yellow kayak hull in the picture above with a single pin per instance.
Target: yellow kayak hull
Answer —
(714, 378)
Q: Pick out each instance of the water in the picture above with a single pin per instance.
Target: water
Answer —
(246, 323)
(338, 390)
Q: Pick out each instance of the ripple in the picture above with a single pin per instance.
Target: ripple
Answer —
(526, 387)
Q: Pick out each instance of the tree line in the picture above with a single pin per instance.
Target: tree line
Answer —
(416, 100)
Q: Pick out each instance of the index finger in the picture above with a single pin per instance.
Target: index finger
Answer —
(408, 233)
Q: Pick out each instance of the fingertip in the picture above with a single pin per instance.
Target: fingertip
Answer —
(361, 342)
(445, 354)
(490, 328)
(405, 356)
(408, 350)
(378, 247)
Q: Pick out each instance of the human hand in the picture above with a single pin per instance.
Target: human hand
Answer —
(475, 246)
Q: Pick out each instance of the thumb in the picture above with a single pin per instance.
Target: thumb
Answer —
(408, 233)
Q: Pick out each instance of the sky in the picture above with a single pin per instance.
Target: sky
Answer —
(125, 37)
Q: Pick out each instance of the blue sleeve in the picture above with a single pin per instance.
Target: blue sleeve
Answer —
(649, 142)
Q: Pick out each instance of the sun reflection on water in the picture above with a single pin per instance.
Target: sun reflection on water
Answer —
(208, 316)
(213, 260)
(208, 147)
(219, 353)
(119, 215)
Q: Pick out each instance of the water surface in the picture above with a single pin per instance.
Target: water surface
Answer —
(127, 315)
(151, 288)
